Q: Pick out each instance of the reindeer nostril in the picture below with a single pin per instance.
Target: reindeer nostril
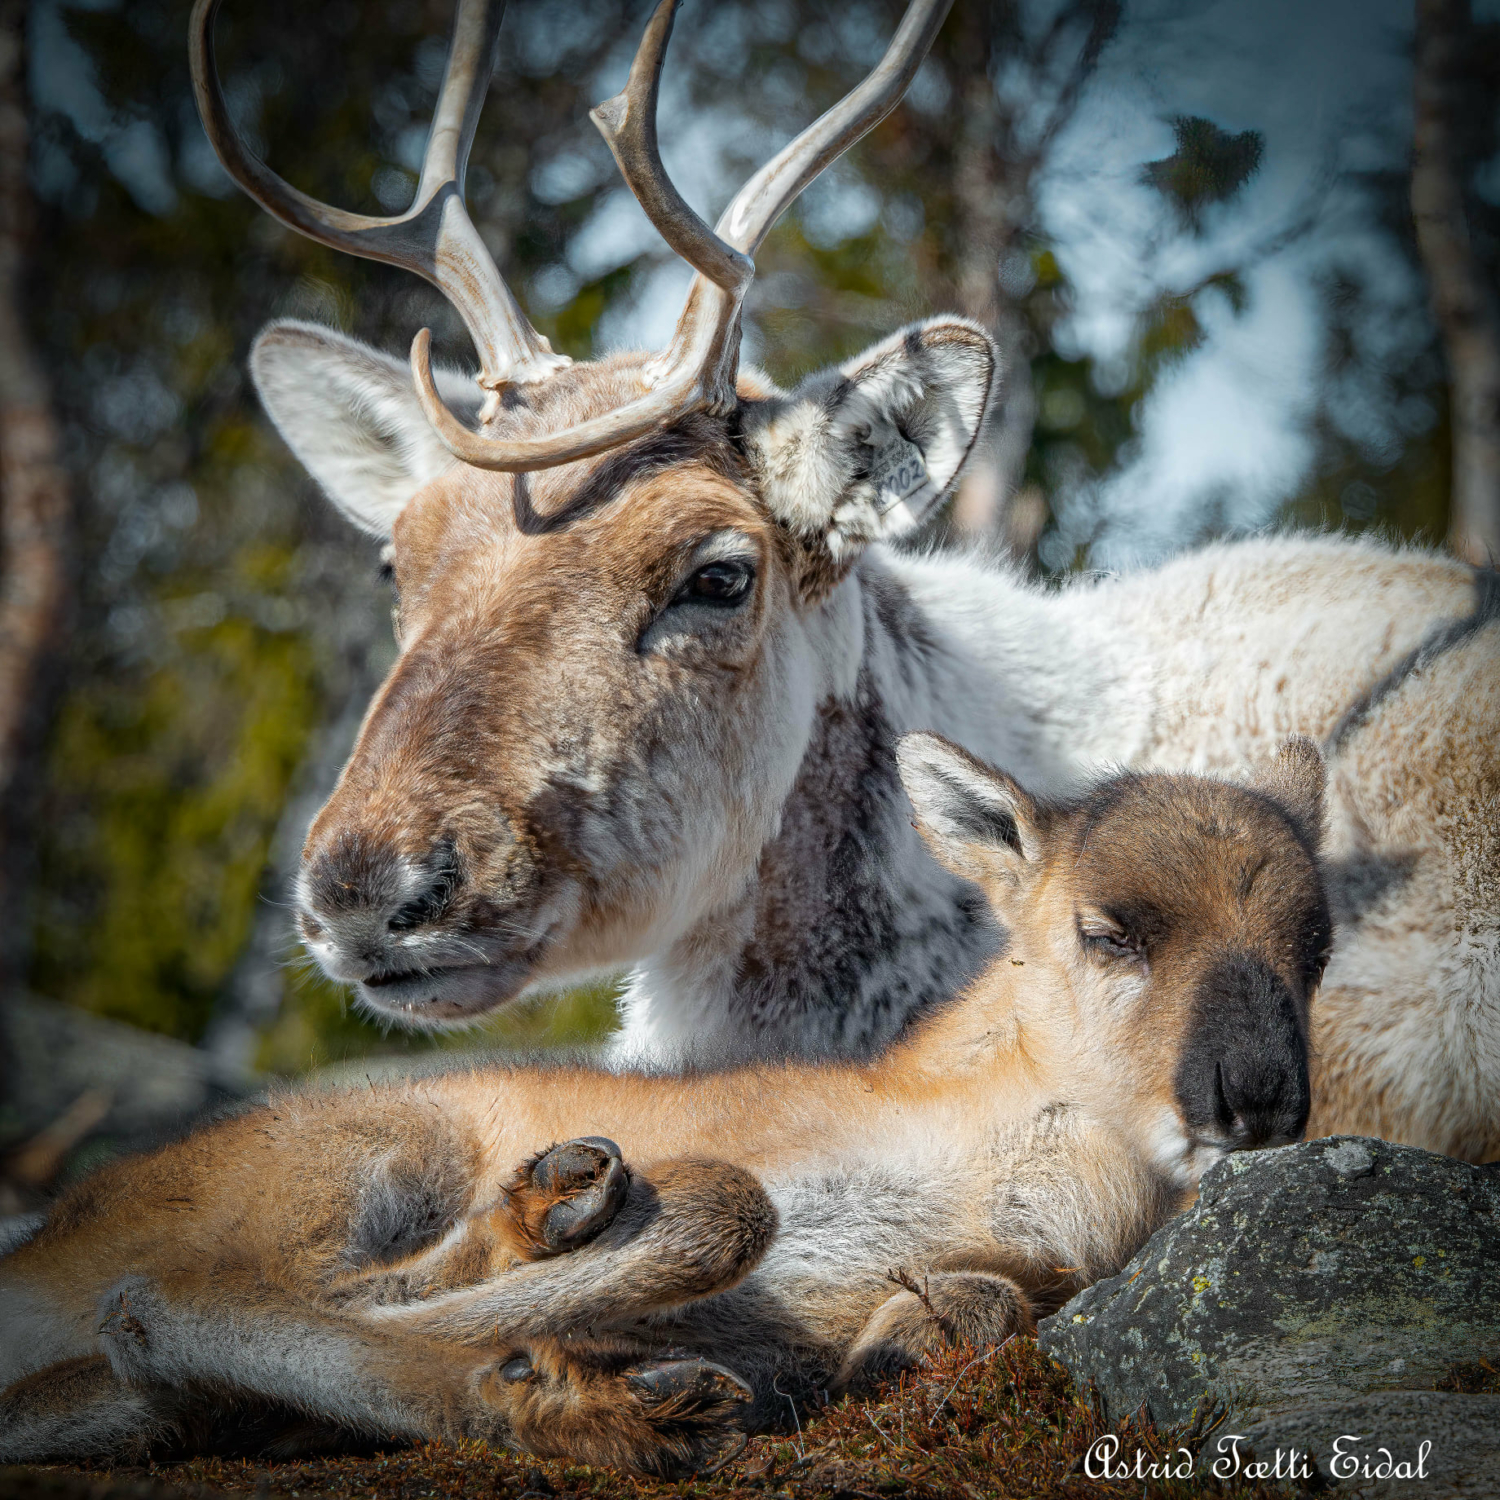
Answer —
(1251, 1112)
(1263, 1110)
(1225, 1115)
(443, 877)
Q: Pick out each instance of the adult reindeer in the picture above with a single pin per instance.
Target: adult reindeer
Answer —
(655, 650)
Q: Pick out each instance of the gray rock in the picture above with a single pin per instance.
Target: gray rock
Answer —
(1433, 1444)
(145, 1084)
(1314, 1274)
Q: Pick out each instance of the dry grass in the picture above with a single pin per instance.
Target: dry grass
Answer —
(1003, 1424)
(1475, 1377)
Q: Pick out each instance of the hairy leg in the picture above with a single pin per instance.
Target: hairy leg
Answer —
(227, 1336)
(637, 1244)
(689, 1229)
(79, 1408)
(600, 1402)
(931, 1313)
(286, 1381)
(594, 1400)
(555, 1203)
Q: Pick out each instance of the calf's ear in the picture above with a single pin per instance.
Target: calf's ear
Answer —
(1296, 780)
(977, 821)
(350, 415)
(865, 451)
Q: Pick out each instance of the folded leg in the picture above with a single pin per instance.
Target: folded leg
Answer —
(555, 1203)
(687, 1230)
(198, 1343)
(934, 1312)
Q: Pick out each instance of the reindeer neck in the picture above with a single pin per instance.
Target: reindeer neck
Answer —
(848, 929)
(1001, 1023)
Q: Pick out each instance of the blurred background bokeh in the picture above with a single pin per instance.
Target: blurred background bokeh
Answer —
(1191, 227)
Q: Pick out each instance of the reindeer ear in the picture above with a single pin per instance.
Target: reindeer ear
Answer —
(350, 415)
(1295, 780)
(975, 819)
(865, 451)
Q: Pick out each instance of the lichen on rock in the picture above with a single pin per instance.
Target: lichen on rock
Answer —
(1316, 1273)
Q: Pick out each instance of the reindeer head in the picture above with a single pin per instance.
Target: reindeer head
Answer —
(619, 582)
(1167, 934)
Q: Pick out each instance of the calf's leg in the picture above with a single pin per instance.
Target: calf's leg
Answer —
(932, 1313)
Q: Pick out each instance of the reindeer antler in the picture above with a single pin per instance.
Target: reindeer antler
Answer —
(437, 239)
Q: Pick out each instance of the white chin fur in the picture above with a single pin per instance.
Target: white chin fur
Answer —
(1177, 1154)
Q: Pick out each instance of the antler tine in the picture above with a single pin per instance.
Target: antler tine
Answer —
(708, 329)
(766, 196)
(435, 237)
(466, 81)
(628, 124)
(698, 370)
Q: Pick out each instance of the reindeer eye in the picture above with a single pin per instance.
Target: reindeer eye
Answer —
(1106, 940)
(717, 583)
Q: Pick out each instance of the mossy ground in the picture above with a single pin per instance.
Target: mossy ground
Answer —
(1007, 1423)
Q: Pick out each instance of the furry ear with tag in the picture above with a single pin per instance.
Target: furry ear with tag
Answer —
(866, 451)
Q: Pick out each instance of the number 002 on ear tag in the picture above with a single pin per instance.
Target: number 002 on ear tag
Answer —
(899, 474)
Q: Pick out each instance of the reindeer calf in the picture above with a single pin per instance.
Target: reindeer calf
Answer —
(373, 1260)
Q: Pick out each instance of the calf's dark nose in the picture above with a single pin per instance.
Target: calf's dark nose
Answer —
(1242, 1077)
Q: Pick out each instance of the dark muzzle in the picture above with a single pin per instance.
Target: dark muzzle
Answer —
(1242, 1080)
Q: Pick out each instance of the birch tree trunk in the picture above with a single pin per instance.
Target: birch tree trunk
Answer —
(34, 509)
(1462, 303)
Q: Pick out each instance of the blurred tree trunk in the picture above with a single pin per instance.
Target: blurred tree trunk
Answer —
(1462, 303)
(991, 186)
(996, 162)
(34, 509)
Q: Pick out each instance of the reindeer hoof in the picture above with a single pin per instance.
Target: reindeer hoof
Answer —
(693, 1405)
(586, 1181)
(692, 1381)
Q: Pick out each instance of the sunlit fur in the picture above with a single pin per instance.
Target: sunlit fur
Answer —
(371, 1259)
(710, 799)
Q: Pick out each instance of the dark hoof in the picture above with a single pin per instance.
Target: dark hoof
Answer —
(591, 1182)
(695, 1408)
(689, 1383)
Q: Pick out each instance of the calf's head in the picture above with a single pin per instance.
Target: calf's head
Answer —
(1167, 934)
